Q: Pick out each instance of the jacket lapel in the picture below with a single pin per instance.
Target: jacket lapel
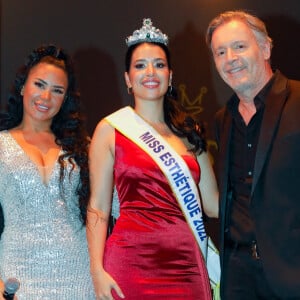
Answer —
(274, 104)
(225, 146)
(224, 134)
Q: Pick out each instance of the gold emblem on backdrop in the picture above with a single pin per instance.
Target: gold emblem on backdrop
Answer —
(196, 107)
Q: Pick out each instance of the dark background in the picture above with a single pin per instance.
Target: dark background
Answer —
(94, 31)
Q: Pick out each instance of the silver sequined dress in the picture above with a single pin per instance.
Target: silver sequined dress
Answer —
(43, 243)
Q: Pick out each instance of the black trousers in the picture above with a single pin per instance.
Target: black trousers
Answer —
(244, 276)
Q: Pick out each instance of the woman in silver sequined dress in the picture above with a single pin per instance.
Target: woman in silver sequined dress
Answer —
(44, 182)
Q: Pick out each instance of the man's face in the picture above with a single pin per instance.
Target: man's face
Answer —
(240, 59)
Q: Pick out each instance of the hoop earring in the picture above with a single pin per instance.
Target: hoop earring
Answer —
(129, 90)
(170, 90)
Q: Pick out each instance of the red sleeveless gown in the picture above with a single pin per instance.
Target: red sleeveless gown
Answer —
(151, 252)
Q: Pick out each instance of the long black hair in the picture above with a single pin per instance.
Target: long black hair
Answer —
(176, 117)
(68, 125)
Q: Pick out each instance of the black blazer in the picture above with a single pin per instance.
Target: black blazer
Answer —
(275, 195)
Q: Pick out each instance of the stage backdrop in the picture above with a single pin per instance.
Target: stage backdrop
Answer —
(94, 31)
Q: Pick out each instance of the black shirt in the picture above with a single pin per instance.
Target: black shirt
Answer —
(243, 144)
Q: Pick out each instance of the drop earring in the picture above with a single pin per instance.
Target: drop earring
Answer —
(129, 90)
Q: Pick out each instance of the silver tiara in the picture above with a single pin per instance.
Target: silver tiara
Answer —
(147, 33)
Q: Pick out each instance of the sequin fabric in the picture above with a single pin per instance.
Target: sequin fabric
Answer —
(115, 207)
(43, 243)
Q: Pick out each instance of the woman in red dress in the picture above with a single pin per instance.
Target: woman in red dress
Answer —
(151, 253)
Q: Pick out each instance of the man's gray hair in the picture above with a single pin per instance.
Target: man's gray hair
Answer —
(255, 24)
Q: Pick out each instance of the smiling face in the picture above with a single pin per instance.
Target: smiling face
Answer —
(44, 92)
(149, 73)
(240, 59)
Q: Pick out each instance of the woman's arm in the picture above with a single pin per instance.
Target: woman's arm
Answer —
(208, 186)
(101, 162)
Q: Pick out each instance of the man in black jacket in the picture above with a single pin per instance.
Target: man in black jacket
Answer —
(258, 134)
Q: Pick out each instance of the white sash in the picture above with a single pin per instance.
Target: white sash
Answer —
(171, 164)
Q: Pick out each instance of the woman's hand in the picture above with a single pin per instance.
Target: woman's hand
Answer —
(104, 284)
(1, 290)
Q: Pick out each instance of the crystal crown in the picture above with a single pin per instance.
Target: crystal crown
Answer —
(147, 33)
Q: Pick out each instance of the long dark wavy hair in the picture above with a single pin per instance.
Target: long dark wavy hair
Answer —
(180, 122)
(68, 125)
